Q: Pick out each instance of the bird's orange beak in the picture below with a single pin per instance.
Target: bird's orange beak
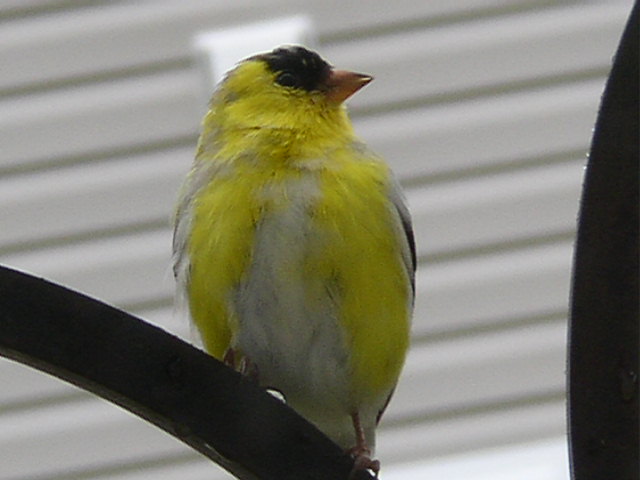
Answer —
(341, 84)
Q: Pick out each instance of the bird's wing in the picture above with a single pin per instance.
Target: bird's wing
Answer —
(181, 228)
(408, 252)
(409, 245)
(199, 176)
(384, 407)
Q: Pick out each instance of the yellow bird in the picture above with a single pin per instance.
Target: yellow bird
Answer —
(293, 245)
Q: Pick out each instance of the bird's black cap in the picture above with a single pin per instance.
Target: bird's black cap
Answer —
(297, 67)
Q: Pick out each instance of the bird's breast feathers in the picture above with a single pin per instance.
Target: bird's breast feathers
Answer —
(304, 269)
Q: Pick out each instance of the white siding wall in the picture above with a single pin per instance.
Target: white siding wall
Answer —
(483, 107)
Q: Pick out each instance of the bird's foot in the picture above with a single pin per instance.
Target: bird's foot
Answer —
(362, 461)
(229, 358)
(241, 364)
(361, 452)
(249, 369)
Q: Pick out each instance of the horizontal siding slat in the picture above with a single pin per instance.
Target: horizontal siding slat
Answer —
(94, 196)
(197, 468)
(117, 36)
(22, 384)
(86, 434)
(500, 208)
(503, 426)
(545, 458)
(95, 118)
(380, 14)
(485, 368)
(10, 6)
(125, 35)
(493, 289)
(452, 138)
(485, 53)
(125, 269)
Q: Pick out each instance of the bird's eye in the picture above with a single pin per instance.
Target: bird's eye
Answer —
(287, 79)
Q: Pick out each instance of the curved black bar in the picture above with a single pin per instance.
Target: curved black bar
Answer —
(163, 380)
(604, 336)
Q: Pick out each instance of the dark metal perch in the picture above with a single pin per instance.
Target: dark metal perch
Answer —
(163, 380)
(604, 336)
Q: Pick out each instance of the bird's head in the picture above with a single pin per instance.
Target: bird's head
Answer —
(289, 88)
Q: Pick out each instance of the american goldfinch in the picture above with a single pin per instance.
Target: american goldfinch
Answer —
(293, 245)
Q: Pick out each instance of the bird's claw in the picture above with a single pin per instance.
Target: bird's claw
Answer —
(362, 461)
(244, 367)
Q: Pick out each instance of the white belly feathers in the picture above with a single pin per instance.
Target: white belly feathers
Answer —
(296, 343)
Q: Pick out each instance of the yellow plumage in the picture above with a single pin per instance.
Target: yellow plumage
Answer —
(293, 245)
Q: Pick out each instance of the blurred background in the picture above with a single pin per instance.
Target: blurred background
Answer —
(485, 110)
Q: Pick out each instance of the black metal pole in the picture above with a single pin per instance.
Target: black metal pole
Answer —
(604, 335)
(164, 380)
